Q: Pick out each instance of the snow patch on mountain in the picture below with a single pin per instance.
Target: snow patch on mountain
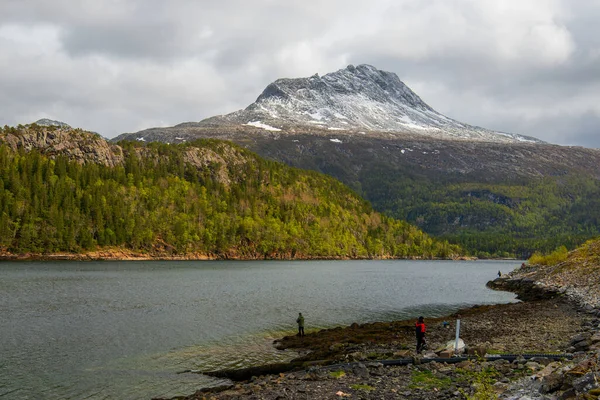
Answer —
(266, 127)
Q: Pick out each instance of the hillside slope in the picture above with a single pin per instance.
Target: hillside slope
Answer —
(575, 274)
(492, 198)
(204, 199)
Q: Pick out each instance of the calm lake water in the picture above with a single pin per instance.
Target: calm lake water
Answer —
(115, 330)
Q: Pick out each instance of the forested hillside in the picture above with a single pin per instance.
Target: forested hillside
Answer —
(207, 197)
(507, 218)
(493, 199)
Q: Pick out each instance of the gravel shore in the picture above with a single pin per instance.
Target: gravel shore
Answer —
(550, 322)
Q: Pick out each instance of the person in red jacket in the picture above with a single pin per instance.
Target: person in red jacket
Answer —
(420, 331)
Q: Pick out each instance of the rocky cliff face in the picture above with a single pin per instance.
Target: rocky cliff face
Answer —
(53, 140)
(86, 147)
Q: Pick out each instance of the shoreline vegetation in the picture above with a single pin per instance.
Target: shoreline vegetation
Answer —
(559, 315)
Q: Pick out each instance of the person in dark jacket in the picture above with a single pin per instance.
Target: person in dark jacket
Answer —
(300, 321)
(420, 331)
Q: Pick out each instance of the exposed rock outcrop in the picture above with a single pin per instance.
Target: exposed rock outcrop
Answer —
(78, 145)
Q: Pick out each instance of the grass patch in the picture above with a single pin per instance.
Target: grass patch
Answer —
(428, 381)
(358, 386)
(337, 374)
(557, 256)
(483, 382)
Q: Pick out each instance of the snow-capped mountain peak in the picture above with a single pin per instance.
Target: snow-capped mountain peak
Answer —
(357, 98)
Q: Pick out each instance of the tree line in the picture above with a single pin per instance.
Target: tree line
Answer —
(231, 203)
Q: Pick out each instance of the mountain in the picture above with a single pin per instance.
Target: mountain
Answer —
(491, 192)
(51, 122)
(206, 199)
(358, 99)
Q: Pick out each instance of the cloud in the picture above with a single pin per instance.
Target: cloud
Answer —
(122, 65)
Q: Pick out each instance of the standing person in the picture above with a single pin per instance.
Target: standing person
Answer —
(499, 274)
(300, 321)
(420, 331)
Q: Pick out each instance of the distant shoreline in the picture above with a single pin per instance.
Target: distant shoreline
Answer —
(129, 255)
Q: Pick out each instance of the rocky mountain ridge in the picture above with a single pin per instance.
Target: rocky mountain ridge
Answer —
(356, 99)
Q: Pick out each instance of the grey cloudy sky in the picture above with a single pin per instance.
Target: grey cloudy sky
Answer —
(114, 66)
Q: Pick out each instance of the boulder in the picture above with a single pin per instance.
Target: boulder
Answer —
(477, 351)
(595, 338)
(582, 346)
(451, 344)
(579, 337)
(551, 383)
(585, 383)
(361, 370)
(548, 369)
(446, 354)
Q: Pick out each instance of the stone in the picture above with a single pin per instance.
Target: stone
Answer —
(585, 383)
(532, 366)
(446, 354)
(595, 338)
(357, 356)
(551, 383)
(578, 338)
(464, 365)
(582, 346)
(548, 369)
(361, 370)
(568, 394)
(477, 351)
(402, 353)
(542, 361)
(595, 346)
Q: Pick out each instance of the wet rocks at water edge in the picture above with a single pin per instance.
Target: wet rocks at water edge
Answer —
(360, 354)
(356, 362)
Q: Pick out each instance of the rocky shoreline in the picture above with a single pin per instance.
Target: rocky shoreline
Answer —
(351, 362)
